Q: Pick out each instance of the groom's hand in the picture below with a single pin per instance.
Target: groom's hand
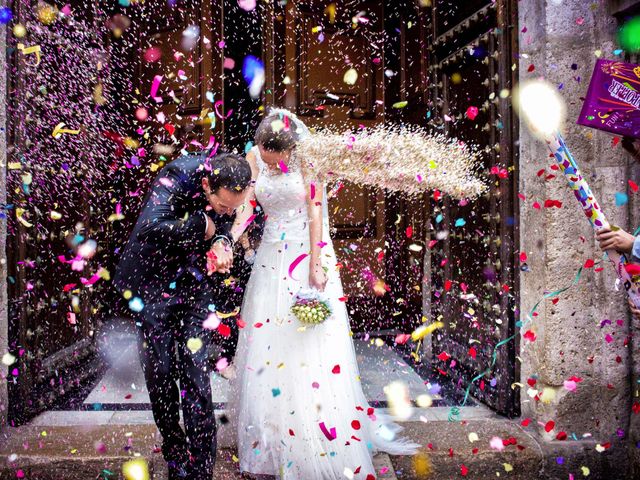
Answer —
(223, 256)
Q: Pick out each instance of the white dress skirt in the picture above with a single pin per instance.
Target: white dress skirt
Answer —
(297, 402)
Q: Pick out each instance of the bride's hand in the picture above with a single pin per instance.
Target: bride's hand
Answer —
(317, 278)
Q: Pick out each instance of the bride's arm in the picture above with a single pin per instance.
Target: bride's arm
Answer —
(241, 222)
(317, 275)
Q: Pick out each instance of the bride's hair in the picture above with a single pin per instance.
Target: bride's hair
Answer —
(275, 138)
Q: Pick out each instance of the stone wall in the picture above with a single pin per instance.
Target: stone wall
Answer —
(4, 326)
(562, 41)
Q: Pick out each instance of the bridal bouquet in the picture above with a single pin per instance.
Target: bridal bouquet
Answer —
(311, 307)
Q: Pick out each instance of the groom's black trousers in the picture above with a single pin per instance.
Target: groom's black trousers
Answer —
(165, 327)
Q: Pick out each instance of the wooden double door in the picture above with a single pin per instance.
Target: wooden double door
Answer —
(173, 80)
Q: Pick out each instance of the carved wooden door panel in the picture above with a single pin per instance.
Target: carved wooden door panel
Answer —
(307, 50)
(474, 283)
(59, 78)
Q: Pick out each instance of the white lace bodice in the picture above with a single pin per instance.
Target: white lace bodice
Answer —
(283, 198)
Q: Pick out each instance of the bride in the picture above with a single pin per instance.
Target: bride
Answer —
(297, 403)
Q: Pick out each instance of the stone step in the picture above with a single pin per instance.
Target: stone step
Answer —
(98, 452)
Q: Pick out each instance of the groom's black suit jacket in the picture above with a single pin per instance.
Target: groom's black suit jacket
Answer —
(167, 242)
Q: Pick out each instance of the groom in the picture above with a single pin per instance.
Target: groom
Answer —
(163, 274)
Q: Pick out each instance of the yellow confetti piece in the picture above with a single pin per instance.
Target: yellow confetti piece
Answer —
(350, 76)
(19, 213)
(55, 215)
(74, 451)
(59, 130)
(15, 166)
(35, 49)
(422, 465)
(330, 11)
(600, 448)
(115, 217)
(8, 359)
(507, 467)
(398, 397)
(194, 344)
(400, 104)
(424, 401)
(548, 395)
(235, 459)
(43, 433)
(424, 330)
(473, 437)
(585, 471)
(223, 315)
(136, 470)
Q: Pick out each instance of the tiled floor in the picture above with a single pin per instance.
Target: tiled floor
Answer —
(124, 382)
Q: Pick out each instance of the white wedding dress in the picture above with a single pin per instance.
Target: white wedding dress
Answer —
(291, 380)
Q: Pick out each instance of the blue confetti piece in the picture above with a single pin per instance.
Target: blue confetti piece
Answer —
(460, 222)
(275, 392)
(251, 67)
(439, 218)
(621, 199)
(248, 147)
(136, 304)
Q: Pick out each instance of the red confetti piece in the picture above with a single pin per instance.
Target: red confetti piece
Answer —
(552, 203)
(632, 269)
(409, 231)
(128, 396)
(561, 436)
(355, 425)
(550, 425)
(633, 185)
(336, 370)
(170, 128)
(472, 352)
(531, 68)
(447, 285)
(224, 330)
(291, 433)
(258, 325)
(589, 263)
(540, 172)
(370, 477)
(463, 470)
(444, 356)
(536, 205)
(402, 338)
(530, 335)
(472, 113)
(523, 257)
(437, 195)
(525, 422)
(615, 141)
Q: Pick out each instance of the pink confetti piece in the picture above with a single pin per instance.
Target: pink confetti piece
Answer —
(154, 88)
(283, 167)
(217, 106)
(312, 187)
(331, 435)
(295, 263)
(166, 182)
(249, 220)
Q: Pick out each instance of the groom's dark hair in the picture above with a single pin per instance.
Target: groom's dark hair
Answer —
(229, 171)
(271, 136)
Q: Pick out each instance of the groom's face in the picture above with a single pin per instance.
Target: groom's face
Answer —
(224, 201)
